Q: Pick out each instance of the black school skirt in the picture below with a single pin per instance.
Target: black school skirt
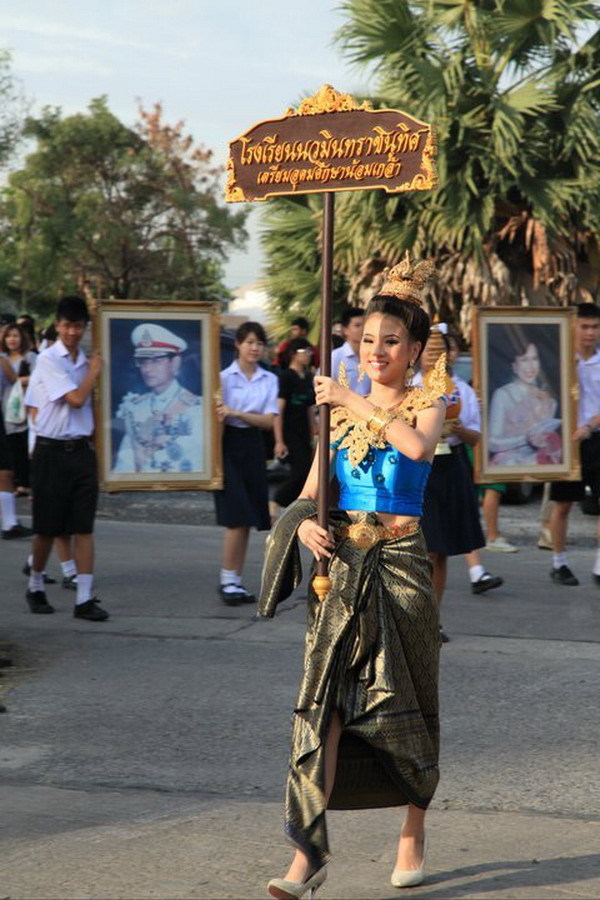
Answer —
(451, 522)
(244, 499)
(6, 461)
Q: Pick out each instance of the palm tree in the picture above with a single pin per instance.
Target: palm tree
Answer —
(513, 89)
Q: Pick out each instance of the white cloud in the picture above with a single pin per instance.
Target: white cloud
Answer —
(47, 63)
(47, 29)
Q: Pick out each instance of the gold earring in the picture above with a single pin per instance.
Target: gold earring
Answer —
(361, 372)
(410, 374)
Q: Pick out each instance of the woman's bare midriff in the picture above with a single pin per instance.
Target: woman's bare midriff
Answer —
(390, 520)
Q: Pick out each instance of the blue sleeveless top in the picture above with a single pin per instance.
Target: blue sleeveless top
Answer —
(385, 481)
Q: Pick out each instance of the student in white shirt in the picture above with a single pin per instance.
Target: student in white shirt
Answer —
(62, 543)
(65, 481)
(564, 493)
(352, 328)
(249, 404)
(450, 521)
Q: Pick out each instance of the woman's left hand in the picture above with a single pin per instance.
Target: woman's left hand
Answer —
(327, 390)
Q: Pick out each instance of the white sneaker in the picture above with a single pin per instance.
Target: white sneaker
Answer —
(501, 545)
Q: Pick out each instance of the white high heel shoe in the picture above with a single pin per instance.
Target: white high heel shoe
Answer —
(403, 878)
(294, 890)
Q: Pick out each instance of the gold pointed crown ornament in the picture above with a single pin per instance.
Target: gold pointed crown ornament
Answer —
(407, 279)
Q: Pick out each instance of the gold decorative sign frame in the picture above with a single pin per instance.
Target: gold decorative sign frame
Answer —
(331, 143)
(147, 446)
(525, 375)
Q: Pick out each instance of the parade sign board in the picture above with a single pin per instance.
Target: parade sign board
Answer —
(331, 143)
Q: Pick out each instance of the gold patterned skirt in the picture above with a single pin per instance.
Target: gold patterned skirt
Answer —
(372, 655)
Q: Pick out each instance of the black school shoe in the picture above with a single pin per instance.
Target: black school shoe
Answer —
(234, 598)
(37, 602)
(47, 578)
(486, 583)
(90, 611)
(69, 582)
(246, 597)
(17, 531)
(230, 598)
(563, 575)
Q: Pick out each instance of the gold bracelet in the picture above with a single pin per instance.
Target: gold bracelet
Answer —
(379, 420)
(375, 420)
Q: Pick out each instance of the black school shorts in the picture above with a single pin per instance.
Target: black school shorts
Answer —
(573, 491)
(65, 488)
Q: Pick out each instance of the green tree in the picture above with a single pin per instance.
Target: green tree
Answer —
(513, 89)
(133, 213)
(12, 107)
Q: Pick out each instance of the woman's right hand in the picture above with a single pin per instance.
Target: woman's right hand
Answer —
(327, 390)
(318, 540)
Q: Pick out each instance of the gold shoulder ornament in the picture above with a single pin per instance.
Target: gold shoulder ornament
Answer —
(342, 376)
(353, 434)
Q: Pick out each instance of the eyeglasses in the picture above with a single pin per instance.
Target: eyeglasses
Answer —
(151, 360)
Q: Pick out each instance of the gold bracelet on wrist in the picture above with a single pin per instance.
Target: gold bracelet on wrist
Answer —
(379, 420)
(376, 420)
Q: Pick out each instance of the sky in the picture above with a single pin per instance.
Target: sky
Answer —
(220, 65)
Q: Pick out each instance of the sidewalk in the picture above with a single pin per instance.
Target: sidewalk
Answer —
(146, 757)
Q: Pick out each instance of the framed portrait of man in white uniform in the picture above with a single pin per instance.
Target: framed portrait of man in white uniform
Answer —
(525, 376)
(156, 399)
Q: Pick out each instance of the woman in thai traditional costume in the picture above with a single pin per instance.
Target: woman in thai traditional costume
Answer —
(367, 714)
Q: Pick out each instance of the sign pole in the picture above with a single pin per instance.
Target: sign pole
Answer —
(321, 581)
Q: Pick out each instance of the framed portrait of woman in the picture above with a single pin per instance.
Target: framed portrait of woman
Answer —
(156, 424)
(526, 379)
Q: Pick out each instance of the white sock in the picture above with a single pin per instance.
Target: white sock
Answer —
(475, 573)
(36, 581)
(30, 560)
(8, 510)
(596, 569)
(559, 559)
(84, 588)
(229, 576)
(69, 568)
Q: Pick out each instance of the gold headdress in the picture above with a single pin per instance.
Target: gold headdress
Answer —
(407, 279)
(436, 343)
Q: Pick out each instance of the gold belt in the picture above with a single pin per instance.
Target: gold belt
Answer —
(365, 535)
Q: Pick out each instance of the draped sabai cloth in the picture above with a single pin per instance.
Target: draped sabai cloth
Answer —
(372, 654)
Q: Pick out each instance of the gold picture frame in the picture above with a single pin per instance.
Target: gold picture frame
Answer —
(525, 376)
(141, 443)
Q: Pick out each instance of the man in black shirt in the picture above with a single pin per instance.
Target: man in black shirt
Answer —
(295, 424)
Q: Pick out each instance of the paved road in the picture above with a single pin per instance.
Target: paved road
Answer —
(146, 757)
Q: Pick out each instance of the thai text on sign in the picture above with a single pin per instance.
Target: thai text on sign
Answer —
(330, 144)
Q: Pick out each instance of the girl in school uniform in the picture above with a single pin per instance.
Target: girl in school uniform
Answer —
(249, 406)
